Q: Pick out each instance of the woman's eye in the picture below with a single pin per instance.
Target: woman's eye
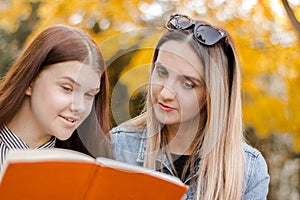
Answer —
(162, 73)
(188, 85)
(90, 95)
(67, 88)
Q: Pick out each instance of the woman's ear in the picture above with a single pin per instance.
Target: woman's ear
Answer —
(29, 90)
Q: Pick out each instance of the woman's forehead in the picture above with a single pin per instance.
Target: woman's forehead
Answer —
(180, 55)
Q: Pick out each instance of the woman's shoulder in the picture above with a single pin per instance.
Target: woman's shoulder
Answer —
(125, 129)
(256, 174)
(128, 143)
(254, 158)
(127, 133)
(251, 151)
(135, 127)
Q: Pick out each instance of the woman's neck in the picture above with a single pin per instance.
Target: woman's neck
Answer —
(181, 138)
(22, 127)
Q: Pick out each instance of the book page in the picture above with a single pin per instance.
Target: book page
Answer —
(137, 169)
(37, 155)
(47, 154)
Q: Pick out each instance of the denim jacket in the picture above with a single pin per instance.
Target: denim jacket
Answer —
(130, 145)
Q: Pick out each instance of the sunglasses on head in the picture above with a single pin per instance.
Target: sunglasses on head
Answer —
(204, 33)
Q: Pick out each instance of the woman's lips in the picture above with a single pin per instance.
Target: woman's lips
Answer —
(165, 107)
(69, 121)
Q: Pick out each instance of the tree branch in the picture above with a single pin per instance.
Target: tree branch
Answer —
(291, 16)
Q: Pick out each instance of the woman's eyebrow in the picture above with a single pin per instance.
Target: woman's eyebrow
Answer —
(187, 77)
(192, 78)
(96, 90)
(70, 79)
(158, 64)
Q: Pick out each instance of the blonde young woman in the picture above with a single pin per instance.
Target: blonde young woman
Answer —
(192, 127)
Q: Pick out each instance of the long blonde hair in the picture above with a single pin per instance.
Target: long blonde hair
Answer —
(219, 142)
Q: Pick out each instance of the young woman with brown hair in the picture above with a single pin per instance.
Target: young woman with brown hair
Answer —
(58, 83)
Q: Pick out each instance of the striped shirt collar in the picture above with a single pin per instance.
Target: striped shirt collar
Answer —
(11, 141)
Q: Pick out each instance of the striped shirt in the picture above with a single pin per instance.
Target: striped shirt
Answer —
(9, 141)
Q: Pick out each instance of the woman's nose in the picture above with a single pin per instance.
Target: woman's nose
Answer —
(167, 93)
(78, 104)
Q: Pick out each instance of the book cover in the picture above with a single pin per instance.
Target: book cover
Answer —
(66, 174)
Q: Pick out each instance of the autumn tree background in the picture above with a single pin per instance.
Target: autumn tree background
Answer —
(267, 34)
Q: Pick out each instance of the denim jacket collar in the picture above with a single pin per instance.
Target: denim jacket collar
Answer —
(161, 157)
(142, 151)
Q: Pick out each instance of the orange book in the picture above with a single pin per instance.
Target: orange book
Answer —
(69, 175)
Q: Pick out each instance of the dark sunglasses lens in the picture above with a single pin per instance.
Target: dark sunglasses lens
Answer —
(207, 34)
(179, 22)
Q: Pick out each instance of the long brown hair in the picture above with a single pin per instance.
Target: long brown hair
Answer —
(55, 44)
